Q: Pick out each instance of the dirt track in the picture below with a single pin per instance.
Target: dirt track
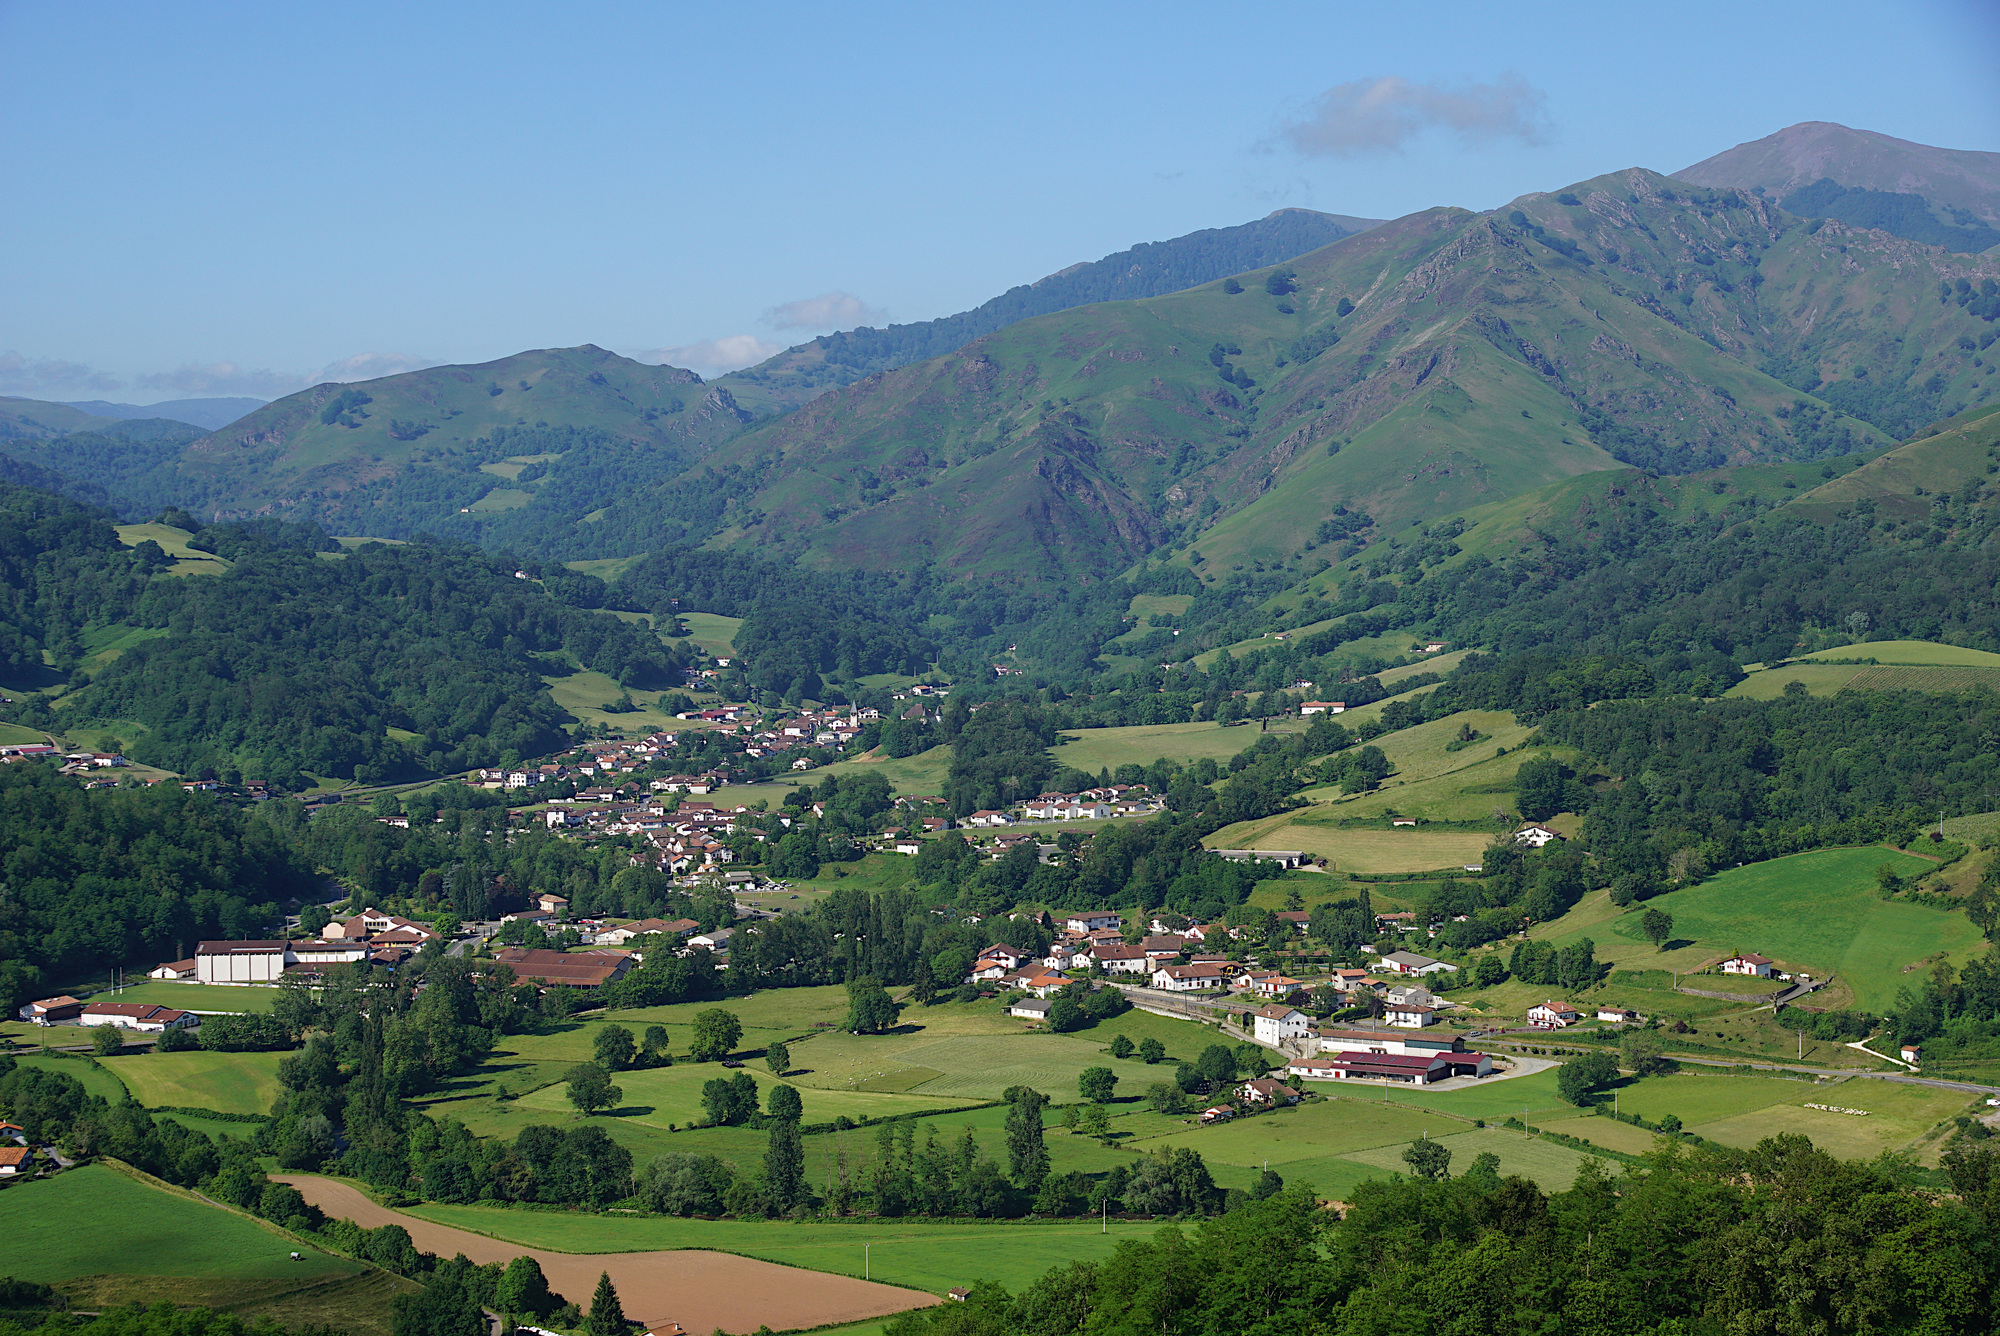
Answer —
(703, 1291)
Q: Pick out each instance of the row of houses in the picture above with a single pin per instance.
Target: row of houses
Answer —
(140, 1016)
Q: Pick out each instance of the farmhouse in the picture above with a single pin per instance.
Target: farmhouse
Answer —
(1557, 1015)
(1187, 978)
(1910, 1052)
(1409, 962)
(1535, 836)
(1091, 920)
(1759, 966)
(1031, 1008)
(1323, 707)
(1409, 1015)
(137, 1016)
(1275, 1024)
(1314, 1069)
(1267, 1092)
(16, 1160)
(1617, 1015)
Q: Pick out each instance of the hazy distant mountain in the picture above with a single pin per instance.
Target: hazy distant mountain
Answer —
(41, 419)
(1149, 269)
(208, 414)
(1816, 169)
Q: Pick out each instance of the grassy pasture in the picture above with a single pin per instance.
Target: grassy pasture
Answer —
(664, 1096)
(1359, 851)
(923, 773)
(1552, 1166)
(95, 1220)
(716, 635)
(96, 1077)
(1743, 1110)
(187, 560)
(1815, 911)
(225, 1082)
(1095, 749)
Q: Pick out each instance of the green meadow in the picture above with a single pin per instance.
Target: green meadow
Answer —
(94, 1219)
(1817, 912)
(224, 1082)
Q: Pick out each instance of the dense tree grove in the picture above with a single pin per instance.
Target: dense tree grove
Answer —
(1782, 1239)
(289, 663)
(89, 880)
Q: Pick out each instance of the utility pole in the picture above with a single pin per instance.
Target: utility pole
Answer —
(864, 1260)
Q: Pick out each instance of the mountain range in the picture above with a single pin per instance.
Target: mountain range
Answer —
(1393, 374)
(208, 414)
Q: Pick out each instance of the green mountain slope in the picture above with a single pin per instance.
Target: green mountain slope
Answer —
(1147, 270)
(429, 449)
(1940, 196)
(1427, 365)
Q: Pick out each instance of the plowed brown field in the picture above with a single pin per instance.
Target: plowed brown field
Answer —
(703, 1291)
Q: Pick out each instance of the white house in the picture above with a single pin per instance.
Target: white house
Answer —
(1031, 1008)
(1617, 1015)
(989, 817)
(1760, 966)
(137, 1016)
(1118, 958)
(1323, 707)
(1409, 962)
(1409, 1015)
(1187, 978)
(1276, 1023)
(1535, 836)
(1558, 1015)
(1091, 920)
(172, 969)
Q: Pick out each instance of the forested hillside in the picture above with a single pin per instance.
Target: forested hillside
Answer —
(384, 662)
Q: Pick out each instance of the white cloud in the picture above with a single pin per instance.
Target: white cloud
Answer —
(42, 377)
(713, 357)
(829, 310)
(1382, 115)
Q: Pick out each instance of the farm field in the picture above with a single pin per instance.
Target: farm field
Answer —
(1743, 1110)
(1900, 665)
(1095, 749)
(964, 1062)
(699, 1289)
(923, 1255)
(95, 1220)
(1551, 1165)
(225, 1082)
(1470, 794)
(664, 1096)
(1816, 911)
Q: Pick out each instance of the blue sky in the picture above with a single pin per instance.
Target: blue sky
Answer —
(243, 198)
